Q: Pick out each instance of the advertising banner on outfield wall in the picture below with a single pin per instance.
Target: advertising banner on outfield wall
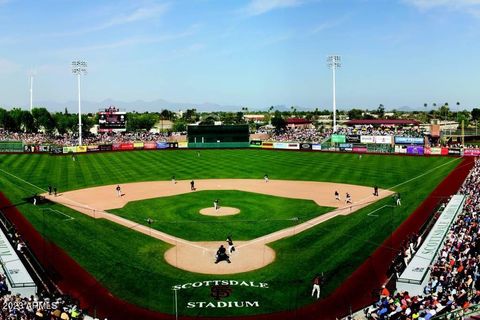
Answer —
(149, 145)
(353, 139)
(408, 140)
(172, 145)
(162, 145)
(69, 149)
(43, 148)
(138, 145)
(400, 149)
(435, 150)
(93, 148)
(81, 149)
(267, 145)
(415, 150)
(454, 151)
(255, 143)
(382, 139)
(366, 139)
(105, 147)
(56, 149)
(345, 146)
(471, 152)
(316, 147)
(444, 151)
(284, 145)
(29, 148)
(126, 146)
(183, 144)
(116, 146)
(359, 149)
(305, 146)
(338, 138)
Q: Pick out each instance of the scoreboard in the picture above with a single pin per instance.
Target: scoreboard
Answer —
(111, 119)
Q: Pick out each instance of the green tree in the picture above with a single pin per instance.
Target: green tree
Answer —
(179, 125)
(475, 114)
(278, 122)
(28, 122)
(355, 114)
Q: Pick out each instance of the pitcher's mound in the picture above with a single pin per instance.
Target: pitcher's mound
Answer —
(222, 211)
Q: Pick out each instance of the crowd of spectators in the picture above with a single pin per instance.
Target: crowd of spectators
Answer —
(369, 130)
(319, 135)
(298, 135)
(455, 275)
(91, 139)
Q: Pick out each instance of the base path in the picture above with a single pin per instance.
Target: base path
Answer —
(200, 256)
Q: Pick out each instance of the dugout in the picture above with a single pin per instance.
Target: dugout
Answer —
(220, 136)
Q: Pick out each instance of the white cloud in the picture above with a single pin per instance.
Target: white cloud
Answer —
(329, 24)
(139, 14)
(258, 7)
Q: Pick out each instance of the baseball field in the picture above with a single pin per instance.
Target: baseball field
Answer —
(141, 245)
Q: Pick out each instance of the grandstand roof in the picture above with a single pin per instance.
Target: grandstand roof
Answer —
(379, 122)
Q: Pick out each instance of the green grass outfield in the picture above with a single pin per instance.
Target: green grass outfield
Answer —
(131, 265)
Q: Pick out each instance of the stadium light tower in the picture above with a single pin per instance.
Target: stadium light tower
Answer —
(79, 67)
(31, 91)
(334, 63)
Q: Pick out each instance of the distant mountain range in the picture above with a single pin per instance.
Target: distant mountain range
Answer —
(137, 105)
(161, 104)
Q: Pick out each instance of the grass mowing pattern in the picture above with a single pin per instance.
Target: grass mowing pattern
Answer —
(131, 265)
(259, 214)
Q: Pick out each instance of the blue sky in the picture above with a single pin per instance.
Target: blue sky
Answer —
(253, 53)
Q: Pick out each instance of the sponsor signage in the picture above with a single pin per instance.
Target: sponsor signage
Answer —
(138, 145)
(56, 149)
(454, 151)
(219, 290)
(338, 138)
(256, 143)
(44, 148)
(267, 145)
(283, 145)
(126, 146)
(316, 147)
(415, 150)
(471, 152)
(367, 139)
(444, 151)
(93, 148)
(162, 145)
(183, 144)
(435, 150)
(81, 149)
(353, 139)
(305, 146)
(69, 149)
(415, 276)
(173, 145)
(382, 139)
(359, 149)
(408, 140)
(116, 146)
(105, 147)
(149, 145)
(345, 146)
